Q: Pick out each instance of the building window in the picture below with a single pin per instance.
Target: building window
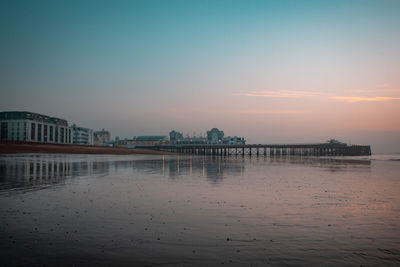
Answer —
(4, 131)
(12, 130)
(33, 130)
(39, 132)
(45, 133)
(17, 130)
(62, 135)
(51, 134)
(24, 131)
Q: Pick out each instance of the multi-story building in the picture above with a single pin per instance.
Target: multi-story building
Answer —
(33, 127)
(82, 136)
(101, 138)
(215, 136)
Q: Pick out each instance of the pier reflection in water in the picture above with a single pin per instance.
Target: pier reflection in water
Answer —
(198, 210)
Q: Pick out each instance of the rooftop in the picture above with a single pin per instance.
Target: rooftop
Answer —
(26, 115)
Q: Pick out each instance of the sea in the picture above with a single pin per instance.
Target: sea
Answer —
(183, 210)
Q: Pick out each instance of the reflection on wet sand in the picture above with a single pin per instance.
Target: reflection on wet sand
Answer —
(32, 172)
(35, 171)
(328, 164)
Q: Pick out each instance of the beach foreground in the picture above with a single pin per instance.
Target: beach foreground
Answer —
(152, 210)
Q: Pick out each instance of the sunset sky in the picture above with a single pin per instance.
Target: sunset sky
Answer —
(271, 71)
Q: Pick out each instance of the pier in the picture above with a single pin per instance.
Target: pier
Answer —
(325, 149)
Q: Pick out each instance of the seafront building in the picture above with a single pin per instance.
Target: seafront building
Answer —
(33, 127)
(101, 138)
(82, 135)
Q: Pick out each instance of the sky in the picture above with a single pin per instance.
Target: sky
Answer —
(270, 71)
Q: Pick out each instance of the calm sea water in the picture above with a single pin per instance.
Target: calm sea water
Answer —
(141, 210)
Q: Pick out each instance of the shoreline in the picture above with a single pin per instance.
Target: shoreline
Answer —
(15, 147)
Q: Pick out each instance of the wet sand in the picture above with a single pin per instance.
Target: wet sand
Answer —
(151, 210)
(30, 147)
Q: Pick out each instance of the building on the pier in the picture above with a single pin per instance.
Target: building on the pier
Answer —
(101, 138)
(127, 143)
(141, 141)
(235, 140)
(175, 137)
(82, 135)
(33, 127)
(215, 136)
(150, 140)
(335, 142)
(194, 140)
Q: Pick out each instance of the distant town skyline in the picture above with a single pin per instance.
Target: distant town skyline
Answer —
(270, 71)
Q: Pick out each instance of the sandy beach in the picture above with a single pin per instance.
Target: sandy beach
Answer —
(30, 147)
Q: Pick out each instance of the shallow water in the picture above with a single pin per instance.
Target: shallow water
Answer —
(144, 210)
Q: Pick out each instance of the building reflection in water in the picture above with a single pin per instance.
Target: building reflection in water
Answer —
(212, 168)
(36, 171)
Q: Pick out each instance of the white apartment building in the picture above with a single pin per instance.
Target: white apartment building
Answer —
(82, 136)
(33, 127)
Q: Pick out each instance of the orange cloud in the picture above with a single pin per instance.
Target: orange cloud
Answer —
(364, 98)
(271, 111)
(391, 90)
(301, 94)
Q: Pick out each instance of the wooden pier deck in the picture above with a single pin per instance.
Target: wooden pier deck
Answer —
(325, 149)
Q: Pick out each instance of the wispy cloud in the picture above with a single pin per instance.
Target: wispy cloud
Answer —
(306, 94)
(364, 91)
(272, 111)
(392, 90)
(281, 93)
(364, 98)
(374, 91)
(239, 111)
